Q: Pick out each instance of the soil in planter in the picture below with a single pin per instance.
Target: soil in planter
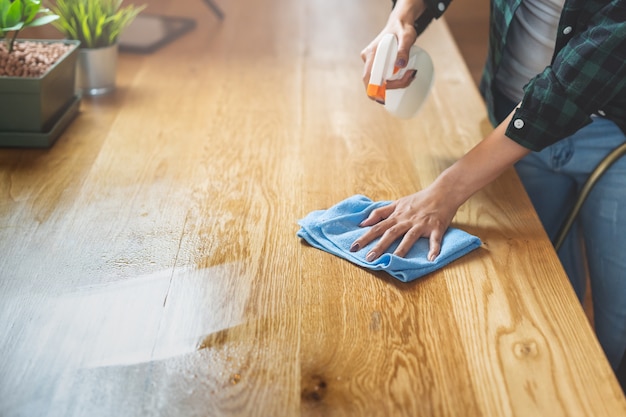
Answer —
(30, 59)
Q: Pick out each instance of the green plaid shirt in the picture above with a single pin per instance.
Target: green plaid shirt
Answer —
(587, 74)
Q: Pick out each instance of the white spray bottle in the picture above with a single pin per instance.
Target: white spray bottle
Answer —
(401, 102)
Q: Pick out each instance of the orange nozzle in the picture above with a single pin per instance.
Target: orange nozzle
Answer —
(377, 92)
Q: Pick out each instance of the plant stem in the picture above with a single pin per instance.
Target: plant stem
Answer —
(12, 41)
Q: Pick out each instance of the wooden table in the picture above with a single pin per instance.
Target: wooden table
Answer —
(150, 264)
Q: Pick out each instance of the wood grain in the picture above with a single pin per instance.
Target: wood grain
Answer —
(150, 264)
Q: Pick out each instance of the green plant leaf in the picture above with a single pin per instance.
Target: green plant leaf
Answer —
(86, 31)
(4, 8)
(99, 29)
(19, 26)
(95, 23)
(31, 8)
(14, 15)
(43, 20)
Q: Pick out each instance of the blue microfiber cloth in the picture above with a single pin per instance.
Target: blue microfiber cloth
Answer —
(335, 229)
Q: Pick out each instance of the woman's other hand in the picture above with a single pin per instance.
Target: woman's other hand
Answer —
(400, 23)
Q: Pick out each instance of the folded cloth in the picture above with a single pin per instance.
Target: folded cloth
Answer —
(335, 229)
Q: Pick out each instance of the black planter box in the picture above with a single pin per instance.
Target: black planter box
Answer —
(35, 105)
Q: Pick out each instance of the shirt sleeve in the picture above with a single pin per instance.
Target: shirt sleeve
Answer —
(434, 10)
(587, 72)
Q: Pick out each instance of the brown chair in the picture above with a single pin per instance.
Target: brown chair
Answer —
(621, 373)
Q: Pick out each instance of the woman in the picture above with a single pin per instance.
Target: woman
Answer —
(555, 87)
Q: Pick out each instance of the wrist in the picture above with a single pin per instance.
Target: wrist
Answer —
(408, 11)
(454, 185)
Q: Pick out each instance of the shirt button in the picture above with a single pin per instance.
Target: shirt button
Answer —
(601, 113)
(441, 6)
(518, 123)
(567, 30)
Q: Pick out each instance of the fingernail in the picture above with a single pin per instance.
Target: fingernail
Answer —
(380, 101)
(355, 247)
(414, 74)
(370, 256)
(401, 62)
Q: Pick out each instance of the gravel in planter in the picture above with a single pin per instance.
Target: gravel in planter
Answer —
(30, 59)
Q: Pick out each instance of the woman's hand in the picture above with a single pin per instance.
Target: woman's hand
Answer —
(400, 23)
(427, 213)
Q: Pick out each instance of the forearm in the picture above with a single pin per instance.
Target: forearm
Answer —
(481, 165)
(429, 212)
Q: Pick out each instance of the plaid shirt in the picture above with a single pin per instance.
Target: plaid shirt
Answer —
(587, 74)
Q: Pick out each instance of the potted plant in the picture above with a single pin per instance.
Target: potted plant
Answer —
(37, 78)
(97, 24)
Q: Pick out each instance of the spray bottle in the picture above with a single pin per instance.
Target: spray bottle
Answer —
(401, 102)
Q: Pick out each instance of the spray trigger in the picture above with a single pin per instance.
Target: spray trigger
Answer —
(401, 102)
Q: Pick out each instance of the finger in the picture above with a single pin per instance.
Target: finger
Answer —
(378, 215)
(402, 59)
(436, 237)
(378, 228)
(406, 79)
(406, 38)
(388, 237)
(409, 239)
(374, 232)
(367, 55)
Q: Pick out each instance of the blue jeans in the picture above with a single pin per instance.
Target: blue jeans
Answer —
(553, 179)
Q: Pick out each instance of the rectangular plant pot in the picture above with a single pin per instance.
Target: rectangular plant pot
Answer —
(35, 104)
(45, 139)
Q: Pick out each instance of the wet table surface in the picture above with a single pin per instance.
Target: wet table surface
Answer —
(150, 264)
